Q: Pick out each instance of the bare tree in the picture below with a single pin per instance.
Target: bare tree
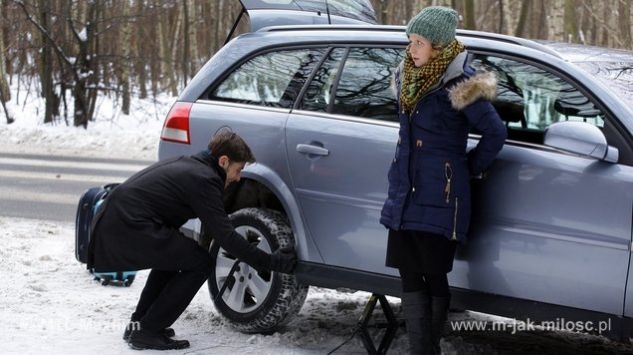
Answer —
(79, 65)
(570, 25)
(5, 93)
(624, 21)
(192, 58)
(556, 20)
(500, 29)
(523, 19)
(46, 62)
(469, 15)
(126, 36)
(118, 48)
(140, 64)
(186, 41)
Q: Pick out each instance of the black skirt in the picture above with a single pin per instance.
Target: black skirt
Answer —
(419, 251)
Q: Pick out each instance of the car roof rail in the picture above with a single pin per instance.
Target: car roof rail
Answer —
(509, 39)
(391, 28)
(377, 28)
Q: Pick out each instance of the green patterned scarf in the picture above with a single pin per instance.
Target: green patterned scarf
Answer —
(417, 81)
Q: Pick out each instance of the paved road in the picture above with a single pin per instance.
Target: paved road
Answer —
(48, 187)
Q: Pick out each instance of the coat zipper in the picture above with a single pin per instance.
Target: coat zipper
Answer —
(448, 174)
(455, 219)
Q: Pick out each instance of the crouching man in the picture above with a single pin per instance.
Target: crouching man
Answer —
(138, 228)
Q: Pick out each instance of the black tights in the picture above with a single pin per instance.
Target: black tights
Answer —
(435, 284)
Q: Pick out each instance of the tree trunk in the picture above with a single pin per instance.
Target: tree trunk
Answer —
(604, 41)
(624, 20)
(186, 39)
(167, 69)
(380, 6)
(173, 79)
(218, 6)
(140, 52)
(523, 16)
(408, 10)
(5, 93)
(4, 85)
(469, 15)
(46, 62)
(570, 24)
(556, 20)
(125, 70)
(537, 20)
(84, 71)
(156, 63)
(502, 15)
(194, 57)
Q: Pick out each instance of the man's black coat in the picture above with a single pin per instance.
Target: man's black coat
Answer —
(138, 228)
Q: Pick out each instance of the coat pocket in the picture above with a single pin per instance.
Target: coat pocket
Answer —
(430, 183)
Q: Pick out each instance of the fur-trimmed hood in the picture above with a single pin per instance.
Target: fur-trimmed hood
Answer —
(478, 86)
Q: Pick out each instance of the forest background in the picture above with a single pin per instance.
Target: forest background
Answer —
(72, 51)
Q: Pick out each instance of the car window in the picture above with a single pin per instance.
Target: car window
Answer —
(319, 91)
(271, 79)
(529, 98)
(363, 88)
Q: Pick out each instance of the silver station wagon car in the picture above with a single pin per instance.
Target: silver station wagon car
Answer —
(551, 232)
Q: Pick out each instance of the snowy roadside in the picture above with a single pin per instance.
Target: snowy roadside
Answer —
(52, 305)
(110, 135)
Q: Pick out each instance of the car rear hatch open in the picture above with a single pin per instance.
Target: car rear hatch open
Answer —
(265, 13)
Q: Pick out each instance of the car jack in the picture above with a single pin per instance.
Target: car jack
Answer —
(390, 327)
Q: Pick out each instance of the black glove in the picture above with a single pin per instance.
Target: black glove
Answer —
(283, 260)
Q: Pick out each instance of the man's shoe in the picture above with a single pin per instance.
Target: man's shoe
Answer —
(147, 339)
(168, 332)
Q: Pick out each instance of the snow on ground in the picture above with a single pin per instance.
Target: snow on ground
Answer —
(49, 304)
(111, 134)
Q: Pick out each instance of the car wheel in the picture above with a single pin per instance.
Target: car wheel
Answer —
(256, 302)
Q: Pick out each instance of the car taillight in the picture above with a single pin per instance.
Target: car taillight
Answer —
(176, 128)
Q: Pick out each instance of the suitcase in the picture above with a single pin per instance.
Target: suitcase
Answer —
(119, 278)
(89, 205)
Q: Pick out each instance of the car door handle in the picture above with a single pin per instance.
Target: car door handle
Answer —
(312, 150)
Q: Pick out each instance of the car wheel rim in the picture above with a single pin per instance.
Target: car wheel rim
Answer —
(247, 288)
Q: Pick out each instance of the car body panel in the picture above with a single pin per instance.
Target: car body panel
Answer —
(341, 194)
(534, 234)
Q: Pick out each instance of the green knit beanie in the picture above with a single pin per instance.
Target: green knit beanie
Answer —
(435, 23)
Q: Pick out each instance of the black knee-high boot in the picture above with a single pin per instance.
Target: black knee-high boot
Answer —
(439, 314)
(416, 309)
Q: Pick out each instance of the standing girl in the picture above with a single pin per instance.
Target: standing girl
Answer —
(427, 211)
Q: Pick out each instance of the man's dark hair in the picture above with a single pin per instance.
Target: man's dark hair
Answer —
(232, 145)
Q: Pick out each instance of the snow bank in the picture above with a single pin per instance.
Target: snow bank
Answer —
(52, 305)
(111, 134)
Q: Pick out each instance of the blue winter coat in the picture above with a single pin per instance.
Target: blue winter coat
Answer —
(429, 177)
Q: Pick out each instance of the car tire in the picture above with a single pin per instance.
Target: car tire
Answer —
(256, 302)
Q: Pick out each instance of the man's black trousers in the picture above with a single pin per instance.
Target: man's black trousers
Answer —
(171, 286)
